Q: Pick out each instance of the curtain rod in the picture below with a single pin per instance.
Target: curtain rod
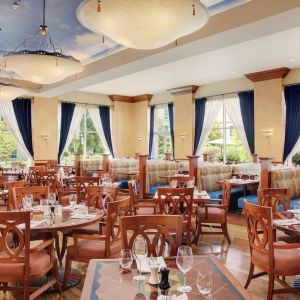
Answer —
(291, 84)
(223, 94)
(93, 104)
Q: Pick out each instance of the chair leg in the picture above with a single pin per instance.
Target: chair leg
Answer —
(63, 247)
(199, 231)
(225, 231)
(55, 276)
(250, 275)
(26, 289)
(271, 286)
(67, 271)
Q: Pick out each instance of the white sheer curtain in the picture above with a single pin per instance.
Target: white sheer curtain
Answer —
(233, 109)
(212, 109)
(77, 116)
(8, 114)
(95, 116)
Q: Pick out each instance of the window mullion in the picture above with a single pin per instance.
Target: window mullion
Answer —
(224, 135)
(84, 134)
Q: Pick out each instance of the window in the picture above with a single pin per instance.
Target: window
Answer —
(10, 151)
(223, 142)
(86, 142)
(162, 138)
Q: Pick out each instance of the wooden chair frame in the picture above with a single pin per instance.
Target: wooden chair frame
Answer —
(82, 183)
(272, 197)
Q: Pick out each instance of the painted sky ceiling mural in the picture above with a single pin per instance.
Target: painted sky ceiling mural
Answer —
(23, 22)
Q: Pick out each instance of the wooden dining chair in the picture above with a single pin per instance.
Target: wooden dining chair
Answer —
(212, 214)
(10, 187)
(273, 197)
(158, 231)
(23, 264)
(181, 181)
(48, 178)
(87, 247)
(273, 258)
(32, 174)
(38, 193)
(82, 182)
(139, 205)
(178, 201)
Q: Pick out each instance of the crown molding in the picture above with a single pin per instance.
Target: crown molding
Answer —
(269, 74)
(187, 89)
(128, 99)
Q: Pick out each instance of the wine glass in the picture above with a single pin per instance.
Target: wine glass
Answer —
(204, 282)
(140, 252)
(184, 261)
(52, 198)
(173, 183)
(125, 259)
(73, 199)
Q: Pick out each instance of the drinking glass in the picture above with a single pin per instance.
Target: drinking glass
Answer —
(204, 282)
(52, 198)
(184, 261)
(140, 252)
(125, 259)
(27, 202)
(173, 183)
(73, 199)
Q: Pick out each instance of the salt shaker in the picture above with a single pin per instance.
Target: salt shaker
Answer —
(154, 275)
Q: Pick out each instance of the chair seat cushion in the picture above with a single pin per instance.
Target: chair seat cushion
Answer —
(250, 198)
(287, 261)
(154, 188)
(89, 249)
(38, 262)
(215, 215)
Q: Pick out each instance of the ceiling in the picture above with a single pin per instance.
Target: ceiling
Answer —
(272, 51)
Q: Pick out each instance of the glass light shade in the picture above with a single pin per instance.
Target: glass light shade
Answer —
(42, 67)
(10, 92)
(143, 24)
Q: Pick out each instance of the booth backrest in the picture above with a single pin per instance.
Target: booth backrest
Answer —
(287, 178)
(157, 168)
(123, 165)
(249, 168)
(207, 176)
(87, 166)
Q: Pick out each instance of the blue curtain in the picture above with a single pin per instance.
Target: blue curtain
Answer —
(247, 110)
(22, 110)
(292, 122)
(67, 110)
(152, 110)
(171, 121)
(199, 120)
(105, 120)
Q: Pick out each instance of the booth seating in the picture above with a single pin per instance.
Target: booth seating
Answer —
(207, 177)
(123, 165)
(155, 169)
(281, 177)
(87, 166)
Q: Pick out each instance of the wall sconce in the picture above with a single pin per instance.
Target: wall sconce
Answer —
(182, 136)
(45, 138)
(268, 133)
(139, 138)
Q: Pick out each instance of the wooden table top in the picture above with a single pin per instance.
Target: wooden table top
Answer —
(64, 222)
(240, 182)
(104, 280)
(293, 229)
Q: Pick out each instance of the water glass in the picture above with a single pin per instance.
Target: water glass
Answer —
(204, 282)
(52, 198)
(173, 183)
(83, 209)
(140, 252)
(125, 259)
(184, 261)
(73, 199)
(27, 202)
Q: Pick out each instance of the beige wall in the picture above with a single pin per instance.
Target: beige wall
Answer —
(45, 122)
(184, 125)
(269, 115)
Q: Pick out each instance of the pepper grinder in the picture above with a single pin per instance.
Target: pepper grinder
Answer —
(164, 282)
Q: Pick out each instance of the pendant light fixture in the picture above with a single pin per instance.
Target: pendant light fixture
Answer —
(143, 24)
(41, 61)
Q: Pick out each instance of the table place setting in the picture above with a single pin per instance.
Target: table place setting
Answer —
(149, 262)
(33, 224)
(286, 222)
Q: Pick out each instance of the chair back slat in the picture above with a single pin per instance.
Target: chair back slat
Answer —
(156, 230)
(82, 182)
(10, 186)
(99, 196)
(273, 197)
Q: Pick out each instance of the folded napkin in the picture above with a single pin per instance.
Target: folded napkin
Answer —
(70, 207)
(82, 216)
(173, 297)
(286, 222)
(32, 224)
(146, 263)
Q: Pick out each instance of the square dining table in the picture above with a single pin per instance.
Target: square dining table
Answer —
(105, 280)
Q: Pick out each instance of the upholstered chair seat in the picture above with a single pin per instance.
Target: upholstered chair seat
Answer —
(214, 215)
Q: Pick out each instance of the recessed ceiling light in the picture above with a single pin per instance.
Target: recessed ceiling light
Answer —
(292, 60)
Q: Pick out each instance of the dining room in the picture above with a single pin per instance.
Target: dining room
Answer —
(149, 149)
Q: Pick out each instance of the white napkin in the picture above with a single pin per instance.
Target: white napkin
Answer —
(82, 216)
(32, 224)
(173, 297)
(145, 265)
(286, 222)
(70, 207)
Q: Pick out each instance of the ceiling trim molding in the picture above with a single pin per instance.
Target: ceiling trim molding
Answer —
(187, 89)
(128, 99)
(268, 74)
